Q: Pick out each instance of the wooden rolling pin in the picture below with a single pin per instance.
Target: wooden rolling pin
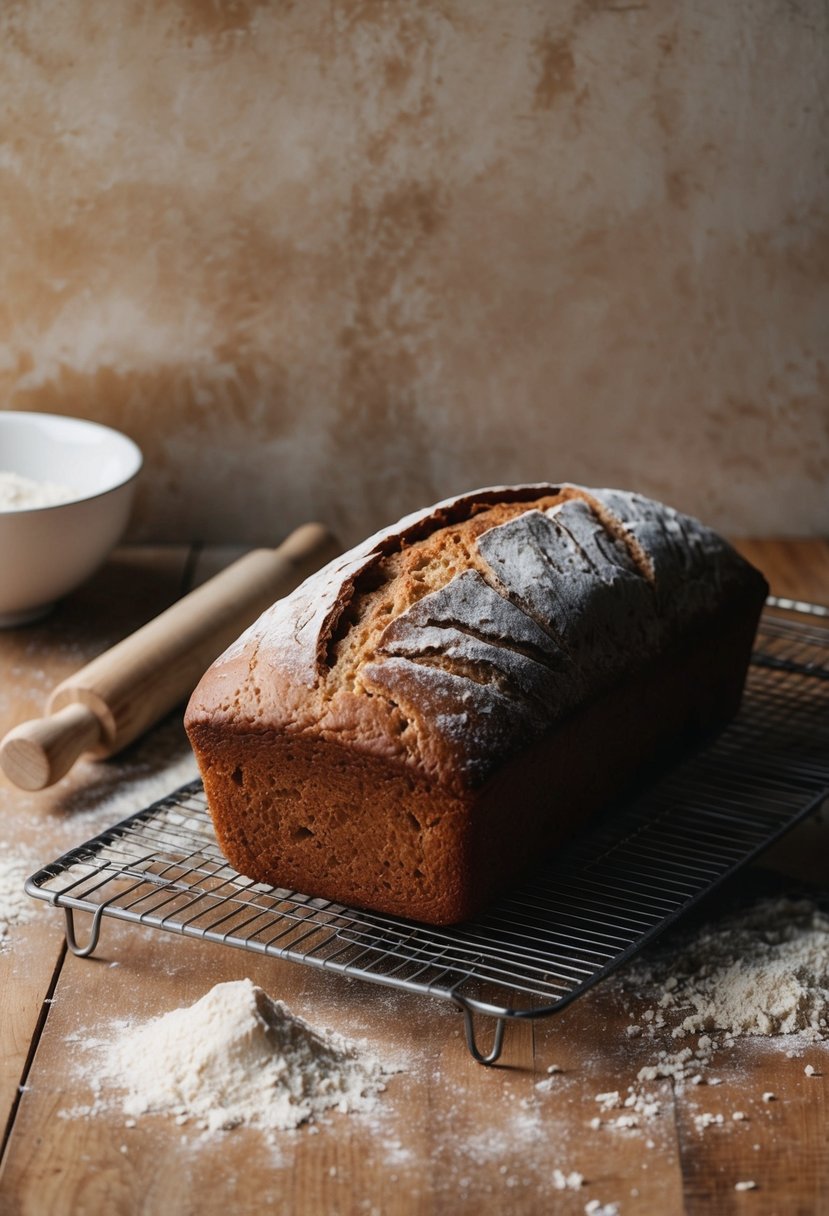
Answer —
(119, 695)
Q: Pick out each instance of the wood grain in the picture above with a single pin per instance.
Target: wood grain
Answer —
(448, 1135)
(795, 568)
(134, 585)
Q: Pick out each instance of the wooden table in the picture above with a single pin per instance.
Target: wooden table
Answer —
(451, 1135)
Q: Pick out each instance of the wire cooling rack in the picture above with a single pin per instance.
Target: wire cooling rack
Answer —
(623, 881)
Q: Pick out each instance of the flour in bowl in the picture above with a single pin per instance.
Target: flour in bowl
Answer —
(19, 493)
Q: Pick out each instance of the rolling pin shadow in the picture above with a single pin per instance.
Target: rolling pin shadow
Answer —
(115, 698)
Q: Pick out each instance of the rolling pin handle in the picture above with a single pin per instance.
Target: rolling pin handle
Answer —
(38, 753)
(121, 693)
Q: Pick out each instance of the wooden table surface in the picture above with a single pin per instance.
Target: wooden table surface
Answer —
(450, 1135)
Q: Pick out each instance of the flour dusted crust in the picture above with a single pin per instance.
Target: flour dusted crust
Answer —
(355, 741)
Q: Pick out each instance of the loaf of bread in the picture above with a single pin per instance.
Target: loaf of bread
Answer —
(436, 709)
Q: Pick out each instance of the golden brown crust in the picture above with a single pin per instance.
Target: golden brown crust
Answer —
(410, 674)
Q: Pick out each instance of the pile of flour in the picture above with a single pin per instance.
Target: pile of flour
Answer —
(761, 971)
(239, 1057)
(22, 493)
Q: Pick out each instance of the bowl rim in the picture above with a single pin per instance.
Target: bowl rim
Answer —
(130, 444)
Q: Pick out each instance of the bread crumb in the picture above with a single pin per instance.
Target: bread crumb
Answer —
(768, 1096)
(552, 1069)
(809, 1070)
(750, 1185)
(739, 1116)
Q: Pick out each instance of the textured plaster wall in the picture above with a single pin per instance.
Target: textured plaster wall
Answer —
(339, 259)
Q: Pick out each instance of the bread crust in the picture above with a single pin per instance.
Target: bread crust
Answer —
(392, 734)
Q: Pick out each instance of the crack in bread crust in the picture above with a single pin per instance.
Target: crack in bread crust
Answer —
(397, 580)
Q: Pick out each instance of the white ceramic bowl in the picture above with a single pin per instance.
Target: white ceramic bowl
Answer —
(47, 551)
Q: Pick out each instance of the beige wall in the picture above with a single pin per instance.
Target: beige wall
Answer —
(341, 258)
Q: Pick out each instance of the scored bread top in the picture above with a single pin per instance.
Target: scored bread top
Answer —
(456, 637)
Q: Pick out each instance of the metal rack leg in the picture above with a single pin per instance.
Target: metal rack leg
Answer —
(94, 932)
(497, 1042)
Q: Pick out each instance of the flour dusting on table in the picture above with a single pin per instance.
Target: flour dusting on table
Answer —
(15, 905)
(129, 783)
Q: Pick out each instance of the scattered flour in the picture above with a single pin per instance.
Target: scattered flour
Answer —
(105, 793)
(567, 1182)
(15, 905)
(121, 786)
(235, 1058)
(763, 971)
(546, 1085)
(635, 1107)
(19, 493)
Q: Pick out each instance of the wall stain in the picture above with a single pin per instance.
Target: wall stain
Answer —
(667, 43)
(385, 237)
(336, 266)
(556, 68)
(405, 125)
(683, 280)
(397, 72)
(678, 188)
(588, 9)
(215, 18)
